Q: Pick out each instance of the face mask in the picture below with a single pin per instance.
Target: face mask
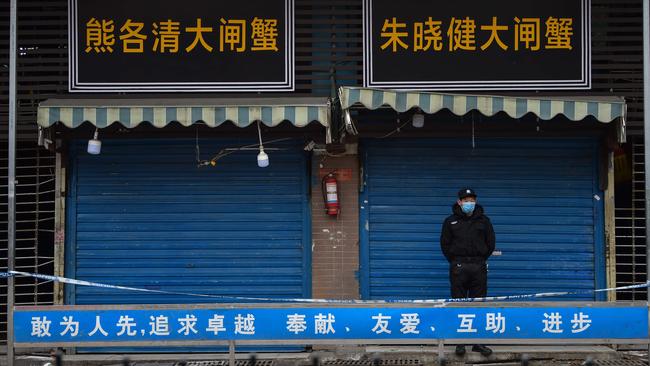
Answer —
(468, 207)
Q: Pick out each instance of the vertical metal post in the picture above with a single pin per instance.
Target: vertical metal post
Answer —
(646, 134)
(441, 350)
(11, 184)
(232, 361)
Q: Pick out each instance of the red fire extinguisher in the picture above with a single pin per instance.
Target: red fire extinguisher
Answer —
(330, 194)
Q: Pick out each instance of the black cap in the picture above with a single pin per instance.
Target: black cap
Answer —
(466, 192)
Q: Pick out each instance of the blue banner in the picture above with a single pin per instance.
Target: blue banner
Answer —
(104, 324)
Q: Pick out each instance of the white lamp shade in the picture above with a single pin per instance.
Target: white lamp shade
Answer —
(418, 120)
(94, 147)
(262, 159)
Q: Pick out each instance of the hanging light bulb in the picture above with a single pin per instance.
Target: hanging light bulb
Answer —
(94, 145)
(418, 120)
(262, 158)
(41, 136)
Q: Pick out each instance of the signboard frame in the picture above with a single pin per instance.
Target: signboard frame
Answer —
(370, 80)
(640, 309)
(78, 83)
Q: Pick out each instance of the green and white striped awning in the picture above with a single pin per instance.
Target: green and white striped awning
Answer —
(160, 112)
(604, 109)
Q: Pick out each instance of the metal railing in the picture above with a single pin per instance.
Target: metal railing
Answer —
(630, 231)
(367, 360)
(35, 172)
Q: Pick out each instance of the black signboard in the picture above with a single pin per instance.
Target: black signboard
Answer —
(189, 45)
(477, 44)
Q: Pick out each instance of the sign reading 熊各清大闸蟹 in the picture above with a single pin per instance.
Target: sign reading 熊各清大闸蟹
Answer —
(192, 324)
(164, 45)
(477, 45)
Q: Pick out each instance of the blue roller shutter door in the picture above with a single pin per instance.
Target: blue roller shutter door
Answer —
(142, 214)
(541, 195)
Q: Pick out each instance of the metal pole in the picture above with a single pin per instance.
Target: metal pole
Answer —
(11, 184)
(646, 135)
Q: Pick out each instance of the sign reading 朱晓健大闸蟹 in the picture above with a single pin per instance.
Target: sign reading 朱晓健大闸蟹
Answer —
(148, 324)
(139, 46)
(477, 45)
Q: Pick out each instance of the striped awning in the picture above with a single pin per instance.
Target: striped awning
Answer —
(604, 109)
(160, 112)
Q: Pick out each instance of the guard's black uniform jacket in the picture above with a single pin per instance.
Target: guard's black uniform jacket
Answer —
(467, 236)
(467, 242)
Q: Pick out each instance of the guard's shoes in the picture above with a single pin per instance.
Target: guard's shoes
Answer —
(481, 348)
(460, 350)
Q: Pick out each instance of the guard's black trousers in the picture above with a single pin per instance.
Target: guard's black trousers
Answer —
(468, 280)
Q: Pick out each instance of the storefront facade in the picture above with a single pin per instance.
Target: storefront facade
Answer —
(229, 224)
(187, 211)
(384, 242)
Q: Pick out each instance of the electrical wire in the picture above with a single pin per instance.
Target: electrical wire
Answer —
(395, 130)
(230, 150)
(259, 133)
(198, 150)
(473, 133)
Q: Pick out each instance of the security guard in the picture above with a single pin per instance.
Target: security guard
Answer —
(467, 241)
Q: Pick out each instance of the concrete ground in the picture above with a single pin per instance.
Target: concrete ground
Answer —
(367, 356)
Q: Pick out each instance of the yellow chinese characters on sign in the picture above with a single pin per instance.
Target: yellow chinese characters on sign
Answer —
(462, 34)
(99, 35)
(393, 31)
(427, 35)
(133, 40)
(558, 33)
(233, 34)
(198, 30)
(167, 36)
(264, 33)
(494, 34)
(527, 32)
